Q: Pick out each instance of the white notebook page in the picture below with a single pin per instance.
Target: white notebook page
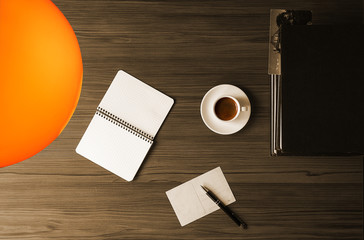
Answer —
(113, 148)
(136, 103)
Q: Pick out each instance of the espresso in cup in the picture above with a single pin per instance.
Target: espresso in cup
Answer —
(227, 108)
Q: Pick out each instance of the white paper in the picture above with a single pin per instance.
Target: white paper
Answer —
(190, 202)
(136, 103)
(110, 145)
(113, 148)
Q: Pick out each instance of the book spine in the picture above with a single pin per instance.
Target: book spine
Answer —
(123, 124)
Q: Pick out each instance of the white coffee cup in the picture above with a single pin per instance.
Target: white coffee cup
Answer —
(227, 108)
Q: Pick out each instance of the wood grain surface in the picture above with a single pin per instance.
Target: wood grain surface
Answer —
(183, 48)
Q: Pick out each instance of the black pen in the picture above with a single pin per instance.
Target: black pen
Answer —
(226, 209)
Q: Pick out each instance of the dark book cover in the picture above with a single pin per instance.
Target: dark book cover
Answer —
(322, 89)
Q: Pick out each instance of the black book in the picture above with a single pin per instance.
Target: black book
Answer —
(322, 90)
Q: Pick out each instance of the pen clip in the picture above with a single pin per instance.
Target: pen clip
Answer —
(205, 188)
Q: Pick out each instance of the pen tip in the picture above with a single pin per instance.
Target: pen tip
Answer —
(204, 188)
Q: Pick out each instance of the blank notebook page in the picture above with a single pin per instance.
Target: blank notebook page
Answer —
(113, 147)
(136, 103)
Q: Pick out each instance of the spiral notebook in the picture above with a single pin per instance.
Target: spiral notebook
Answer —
(124, 126)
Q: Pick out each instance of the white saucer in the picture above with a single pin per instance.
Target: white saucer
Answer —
(214, 123)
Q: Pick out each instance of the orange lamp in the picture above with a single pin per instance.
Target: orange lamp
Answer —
(40, 77)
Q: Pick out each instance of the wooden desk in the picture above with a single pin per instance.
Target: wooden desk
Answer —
(183, 48)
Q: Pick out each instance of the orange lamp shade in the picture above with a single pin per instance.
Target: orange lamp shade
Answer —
(40, 77)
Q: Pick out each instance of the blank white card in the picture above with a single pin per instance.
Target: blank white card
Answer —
(190, 202)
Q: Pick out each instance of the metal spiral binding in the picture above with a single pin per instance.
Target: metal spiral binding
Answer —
(123, 124)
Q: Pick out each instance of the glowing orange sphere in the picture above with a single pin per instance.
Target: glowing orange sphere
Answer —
(40, 77)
